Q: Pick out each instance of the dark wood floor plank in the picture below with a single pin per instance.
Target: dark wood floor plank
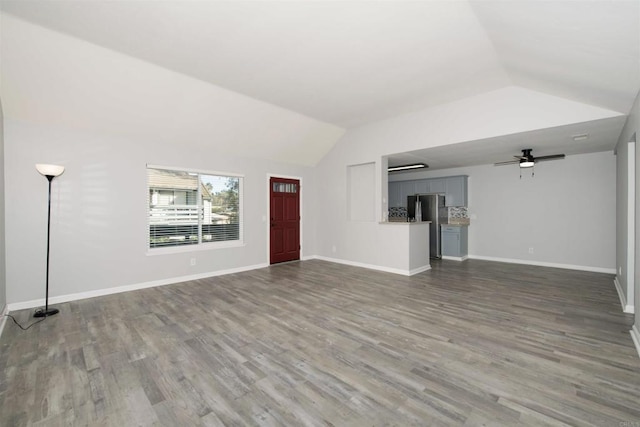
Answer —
(321, 344)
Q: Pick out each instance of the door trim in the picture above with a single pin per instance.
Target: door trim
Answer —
(265, 217)
(631, 227)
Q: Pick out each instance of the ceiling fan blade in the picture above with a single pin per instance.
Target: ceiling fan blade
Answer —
(551, 157)
(520, 157)
(510, 162)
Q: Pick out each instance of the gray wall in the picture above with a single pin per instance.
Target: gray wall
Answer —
(3, 275)
(99, 211)
(564, 212)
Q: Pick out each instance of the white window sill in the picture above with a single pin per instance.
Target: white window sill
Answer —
(194, 248)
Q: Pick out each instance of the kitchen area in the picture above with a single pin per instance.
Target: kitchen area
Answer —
(441, 202)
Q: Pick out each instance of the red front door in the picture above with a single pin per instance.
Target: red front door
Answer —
(285, 219)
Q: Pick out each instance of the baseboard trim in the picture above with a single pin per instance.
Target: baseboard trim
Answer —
(127, 288)
(3, 321)
(419, 270)
(626, 307)
(635, 336)
(375, 267)
(455, 258)
(546, 264)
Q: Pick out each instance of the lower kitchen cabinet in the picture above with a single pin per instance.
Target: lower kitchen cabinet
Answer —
(454, 242)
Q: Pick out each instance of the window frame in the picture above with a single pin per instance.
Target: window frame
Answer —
(200, 246)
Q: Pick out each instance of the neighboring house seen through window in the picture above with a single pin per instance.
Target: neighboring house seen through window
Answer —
(193, 208)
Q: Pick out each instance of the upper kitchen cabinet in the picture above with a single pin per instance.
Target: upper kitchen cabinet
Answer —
(434, 185)
(407, 188)
(422, 186)
(437, 185)
(453, 187)
(394, 195)
(456, 190)
(398, 192)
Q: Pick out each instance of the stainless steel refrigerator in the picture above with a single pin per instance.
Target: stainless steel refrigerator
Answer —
(433, 209)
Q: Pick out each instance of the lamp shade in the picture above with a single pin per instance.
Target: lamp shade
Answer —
(50, 170)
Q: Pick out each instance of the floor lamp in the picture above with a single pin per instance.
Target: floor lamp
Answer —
(49, 172)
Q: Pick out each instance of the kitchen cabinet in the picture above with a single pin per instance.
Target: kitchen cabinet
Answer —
(394, 195)
(437, 185)
(398, 192)
(456, 190)
(422, 186)
(407, 188)
(454, 242)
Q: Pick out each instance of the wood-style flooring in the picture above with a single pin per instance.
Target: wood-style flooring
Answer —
(316, 343)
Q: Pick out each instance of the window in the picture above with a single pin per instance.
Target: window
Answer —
(281, 187)
(193, 208)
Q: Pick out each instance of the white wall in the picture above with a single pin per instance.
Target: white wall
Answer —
(99, 226)
(51, 78)
(362, 192)
(625, 204)
(104, 116)
(501, 112)
(564, 212)
(3, 282)
(630, 132)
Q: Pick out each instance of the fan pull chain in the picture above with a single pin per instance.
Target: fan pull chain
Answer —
(532, 172)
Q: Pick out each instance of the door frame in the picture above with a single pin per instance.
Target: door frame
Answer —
(631, 227)
(265, 218)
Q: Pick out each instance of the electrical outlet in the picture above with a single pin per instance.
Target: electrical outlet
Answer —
(530, 250)
(619, 271)
(192, 262)
(333, 249)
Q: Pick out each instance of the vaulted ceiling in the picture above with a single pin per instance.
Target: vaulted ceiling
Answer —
(348, 63)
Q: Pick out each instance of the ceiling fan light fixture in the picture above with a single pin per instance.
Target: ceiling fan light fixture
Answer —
(407, 167)
(526, 163)
(527, 160)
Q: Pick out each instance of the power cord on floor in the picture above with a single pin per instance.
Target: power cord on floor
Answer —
(22, 327)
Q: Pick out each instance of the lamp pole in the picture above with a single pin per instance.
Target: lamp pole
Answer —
(49, 172)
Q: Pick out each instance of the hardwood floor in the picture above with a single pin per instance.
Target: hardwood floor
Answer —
(316, 343)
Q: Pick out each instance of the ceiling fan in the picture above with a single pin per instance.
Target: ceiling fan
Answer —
(527, 160)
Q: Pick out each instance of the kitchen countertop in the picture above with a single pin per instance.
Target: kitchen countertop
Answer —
(454, 225)
(404, 222)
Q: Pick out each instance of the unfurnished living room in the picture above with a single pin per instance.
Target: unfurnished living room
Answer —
(323, 213)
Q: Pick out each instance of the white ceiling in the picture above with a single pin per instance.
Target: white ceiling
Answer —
(601, 136)
(353, 62)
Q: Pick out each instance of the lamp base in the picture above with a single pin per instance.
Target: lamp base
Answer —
(46, 313)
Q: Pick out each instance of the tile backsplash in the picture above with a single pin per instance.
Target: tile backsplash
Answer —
(397, 213)
(456, 215)
(458, 212)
